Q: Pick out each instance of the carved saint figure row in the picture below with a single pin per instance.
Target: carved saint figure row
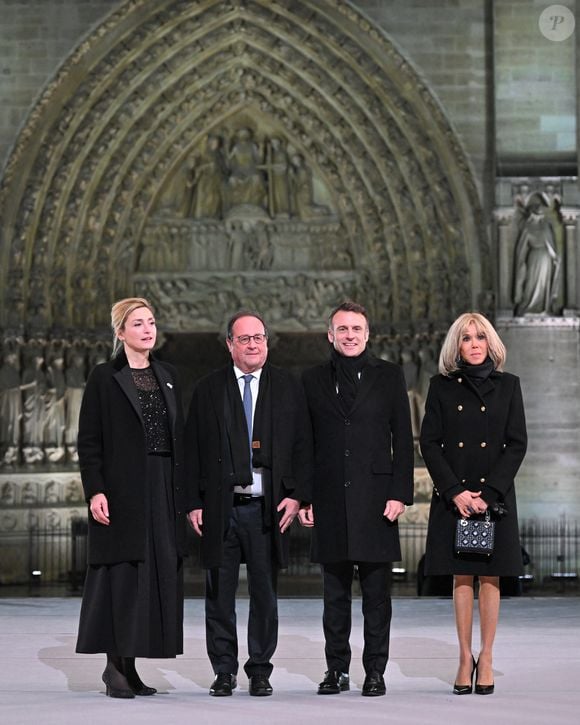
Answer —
(260, 175)
(40, 396)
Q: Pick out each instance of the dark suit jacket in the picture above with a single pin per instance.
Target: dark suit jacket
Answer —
(361, 460)
(207, 476)
(113, 456)
(474, 438)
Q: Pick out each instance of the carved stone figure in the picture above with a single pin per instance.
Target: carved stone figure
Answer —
(75, 383)
(302, 190)
(34, 411)
(208, 178)
(538, 256)
(10, 408)
(55, 410)
(278, 188)
(246, 183)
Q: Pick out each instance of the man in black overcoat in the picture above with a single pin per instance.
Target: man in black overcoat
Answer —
(363, 478)
(249, 462)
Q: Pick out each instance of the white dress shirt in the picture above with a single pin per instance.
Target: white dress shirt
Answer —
(255, 489)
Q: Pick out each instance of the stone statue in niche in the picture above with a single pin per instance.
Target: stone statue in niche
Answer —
(34, 410)
(246, 183)
(55, 411)
(207, 181)
(538, 257)
(277, 170)
(75, 383)
(302, 190)
(10, 408)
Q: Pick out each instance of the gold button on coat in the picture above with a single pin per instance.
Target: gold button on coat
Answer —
(459, 407)
(483, 445)
(482, 480)
(483, 408)
(459, 380)
(460, 444)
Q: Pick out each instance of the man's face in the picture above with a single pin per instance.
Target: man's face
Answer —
(252, 355)
(348, 333)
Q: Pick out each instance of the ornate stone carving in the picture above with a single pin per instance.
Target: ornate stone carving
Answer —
(83, 186)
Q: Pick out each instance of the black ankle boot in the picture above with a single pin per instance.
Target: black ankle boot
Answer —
(114, 679)
(135, 683)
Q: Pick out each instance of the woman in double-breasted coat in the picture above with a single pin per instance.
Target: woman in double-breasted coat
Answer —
(131, 455)
(473, 440)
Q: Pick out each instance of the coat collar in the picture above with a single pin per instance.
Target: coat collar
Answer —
(484, 389)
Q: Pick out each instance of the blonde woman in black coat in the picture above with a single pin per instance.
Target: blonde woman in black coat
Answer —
(131, 458)
(473, 440)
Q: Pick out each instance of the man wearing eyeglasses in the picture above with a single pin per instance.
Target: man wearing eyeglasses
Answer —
(249, 447)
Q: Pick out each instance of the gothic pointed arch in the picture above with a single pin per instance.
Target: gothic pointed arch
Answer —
(91, 191)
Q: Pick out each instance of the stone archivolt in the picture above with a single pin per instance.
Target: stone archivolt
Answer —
(82, 191)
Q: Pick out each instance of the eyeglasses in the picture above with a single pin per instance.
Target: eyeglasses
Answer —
(245, 339)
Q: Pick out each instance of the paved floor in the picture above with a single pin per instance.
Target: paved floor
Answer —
(537, 670)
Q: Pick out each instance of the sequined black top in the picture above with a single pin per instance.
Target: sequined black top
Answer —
(153, 410)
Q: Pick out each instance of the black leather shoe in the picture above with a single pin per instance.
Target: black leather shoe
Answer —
(333, 683)
(466, 689)
(483, 689)
(260, 686)
(374, 685)
(223, 685)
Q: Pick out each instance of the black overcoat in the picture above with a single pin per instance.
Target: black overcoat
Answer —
(112, 451)
(207, 474)
(361, 460)
(475, 438)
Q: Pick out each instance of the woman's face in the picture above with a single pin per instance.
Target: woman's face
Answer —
(473, 346)
(139, 333)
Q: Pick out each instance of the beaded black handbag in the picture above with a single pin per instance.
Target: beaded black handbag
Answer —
(475, 535)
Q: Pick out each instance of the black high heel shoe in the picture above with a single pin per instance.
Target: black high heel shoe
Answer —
(483, 689)
(115, 681)
(135, 683)
(466, 689)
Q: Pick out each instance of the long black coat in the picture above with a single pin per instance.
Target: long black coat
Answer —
(112, 450)
(475, 438)
(361, 461)
(209, 489)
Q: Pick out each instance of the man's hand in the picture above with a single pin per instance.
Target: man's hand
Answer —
(393, 510)
(195, 518)
(290, 507)
(99, 507)
(306, 516)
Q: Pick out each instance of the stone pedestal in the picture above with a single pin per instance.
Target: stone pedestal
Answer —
(544, 352)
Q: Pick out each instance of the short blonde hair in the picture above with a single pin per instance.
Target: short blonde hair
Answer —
(449, 357)
(119, 313)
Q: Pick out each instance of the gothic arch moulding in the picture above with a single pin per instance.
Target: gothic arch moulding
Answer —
(92, 198)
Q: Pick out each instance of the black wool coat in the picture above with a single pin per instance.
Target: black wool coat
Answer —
(208, 477)
(475, 438)
(112, 451)
(361, 460)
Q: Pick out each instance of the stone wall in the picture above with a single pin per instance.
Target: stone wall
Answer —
(35, 37)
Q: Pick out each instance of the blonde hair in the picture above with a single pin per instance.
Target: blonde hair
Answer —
(119, 313)
(449, 357)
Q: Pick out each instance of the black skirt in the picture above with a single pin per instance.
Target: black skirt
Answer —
(135, 609)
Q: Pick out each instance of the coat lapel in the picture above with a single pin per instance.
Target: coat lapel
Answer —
(369, 375)
(125, 380)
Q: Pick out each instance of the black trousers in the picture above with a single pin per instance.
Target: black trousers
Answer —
(247, 540)
(375, 583)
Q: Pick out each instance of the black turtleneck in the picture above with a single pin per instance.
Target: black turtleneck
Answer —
(477, 374)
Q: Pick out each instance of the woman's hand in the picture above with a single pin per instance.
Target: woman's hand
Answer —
(468, 503)
(99, 507)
